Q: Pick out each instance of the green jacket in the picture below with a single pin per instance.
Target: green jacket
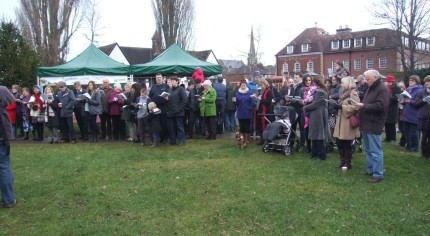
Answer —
(207, 105)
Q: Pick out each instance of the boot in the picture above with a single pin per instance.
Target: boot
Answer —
(342, 158)
(154, 143)
(348, 158)
(40, 131)
(25, 136)
(33, 132)
(245, 138)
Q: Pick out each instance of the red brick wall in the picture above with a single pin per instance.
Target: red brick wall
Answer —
(291, 60)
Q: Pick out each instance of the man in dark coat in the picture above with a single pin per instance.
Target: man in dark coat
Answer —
(176, 102)
(79, 110)
(66, 100)
(154, 94)
(373, 113)
(6, 177)
(105, 118)
(393, 110)
(298, 106)
(221, 95)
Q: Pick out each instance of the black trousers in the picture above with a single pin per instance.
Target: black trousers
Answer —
(82, 123)
(68, 129)
(318, 149)
(390, 132)
(244, 126)
(211, 125)
(425, 143)
(92, 124)
(106, 125)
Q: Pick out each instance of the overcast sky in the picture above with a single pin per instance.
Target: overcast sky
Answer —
(225, 25)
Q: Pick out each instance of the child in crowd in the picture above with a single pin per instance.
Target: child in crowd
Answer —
(37, 112)
(142, 114)
(154, 123)
(27, 126)
(308, 99)
(51, 119)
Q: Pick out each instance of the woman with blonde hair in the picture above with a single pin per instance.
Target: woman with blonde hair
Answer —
(344, 133)
(51, 118)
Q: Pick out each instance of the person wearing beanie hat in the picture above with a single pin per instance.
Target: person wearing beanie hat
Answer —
(66, 100)
(198, 75)
(6, 178)
(393, 109)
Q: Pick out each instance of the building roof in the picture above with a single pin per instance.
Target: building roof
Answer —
(231, 63)
(320, 41)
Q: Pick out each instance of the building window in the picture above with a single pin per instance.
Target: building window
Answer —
(333, 65)
(334, 44)
(370, 41)
(290, 49)
(305, 47)
(406, 41)
(285, 67)
(297, 66)
(369, 64)
(357, 64)
(357, 42)
(427, 47)
(310, 67)
(383, 62)
(345, 64)
(346, 43)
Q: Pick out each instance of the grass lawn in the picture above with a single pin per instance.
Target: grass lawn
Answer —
(210, 188)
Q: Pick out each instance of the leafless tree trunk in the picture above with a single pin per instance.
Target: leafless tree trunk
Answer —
(91, 20)
(411, 20)
(174, 20)
(48, 25)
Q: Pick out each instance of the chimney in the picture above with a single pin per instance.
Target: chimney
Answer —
(343, 30)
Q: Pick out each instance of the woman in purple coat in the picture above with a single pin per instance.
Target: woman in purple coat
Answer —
(423, 104)
(244, 104)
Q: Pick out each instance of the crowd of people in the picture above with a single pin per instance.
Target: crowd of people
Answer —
(334, 111)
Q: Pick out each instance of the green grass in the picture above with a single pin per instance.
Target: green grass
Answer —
(210, 188)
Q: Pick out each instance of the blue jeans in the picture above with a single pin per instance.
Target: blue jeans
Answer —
(374, 154)
(230, 120)
(176, 129)
(6, 177)
(412, 136)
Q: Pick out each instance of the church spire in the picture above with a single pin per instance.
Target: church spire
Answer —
(252, 57)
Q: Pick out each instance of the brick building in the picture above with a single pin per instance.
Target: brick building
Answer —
(314, 50)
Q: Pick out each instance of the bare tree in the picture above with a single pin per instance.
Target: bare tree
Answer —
(49, 25)
(91, 20)
(174, 20)
(411, 20)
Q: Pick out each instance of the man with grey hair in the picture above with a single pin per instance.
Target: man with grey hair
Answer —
(6, 177)
(79, 110)
(373, 113)
(66, 101)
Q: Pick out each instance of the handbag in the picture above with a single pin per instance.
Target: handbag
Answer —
(354, 120)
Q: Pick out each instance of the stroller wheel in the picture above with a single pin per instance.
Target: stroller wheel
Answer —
(286, 150)
(266, 147)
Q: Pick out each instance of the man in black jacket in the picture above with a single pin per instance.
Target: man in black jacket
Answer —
(79, 110)
(154, 94)
(176, 102)
(373, 113)
(298, 106)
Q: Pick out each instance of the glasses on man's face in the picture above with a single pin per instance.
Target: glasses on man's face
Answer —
(105, 82)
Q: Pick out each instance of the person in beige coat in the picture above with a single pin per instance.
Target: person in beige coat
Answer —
(343, 132)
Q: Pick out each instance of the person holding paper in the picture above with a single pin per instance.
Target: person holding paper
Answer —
(66, 101)
(27, 126)
(93, 107)
(423, 104)
(37, 112)
(208, 108)
(116, 101)
(244, 104)
(51, 119)
(79, 111)
(393, 109)
(176, 102)
(410, 111)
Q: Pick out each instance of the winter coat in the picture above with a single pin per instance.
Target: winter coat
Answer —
(127, 112)
(410, 111)
(318, 116)
(51, 114)
(177, 102)
(374, 112)
(393, 107)
(207, 105)
(154, 125)
(115, 106)
(229, 105)
(298, 91)
(221, 91)
(266, 105)
(6, 98)
(198, 75)
(11, 110)
(95, 104)
(154, 93)
(423, 107)
(244, 104)
(105, 94)
(35, 109)
(343, 129)
(193, 103)
(67, 99)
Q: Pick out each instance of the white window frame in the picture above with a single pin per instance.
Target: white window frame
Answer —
(346, 43)
(333, 65)
(382, 62)
(333, 44)
(356, 42)
(297, 67)
(290, 49)
(305, 47)
(285, 67)
(406, 41)
(357, 64)
(370, 41)
(345, 64)
(369, 64)
(310, 66)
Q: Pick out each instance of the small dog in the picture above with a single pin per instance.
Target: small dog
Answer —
(240, 141)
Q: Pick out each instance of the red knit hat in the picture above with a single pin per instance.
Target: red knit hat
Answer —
(390, 78)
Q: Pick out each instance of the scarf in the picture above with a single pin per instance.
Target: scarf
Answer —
(38, 103)
(244, 91)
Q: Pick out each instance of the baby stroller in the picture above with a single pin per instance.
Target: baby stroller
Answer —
(277, 134)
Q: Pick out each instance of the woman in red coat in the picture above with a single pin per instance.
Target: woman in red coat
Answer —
(11, 109)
